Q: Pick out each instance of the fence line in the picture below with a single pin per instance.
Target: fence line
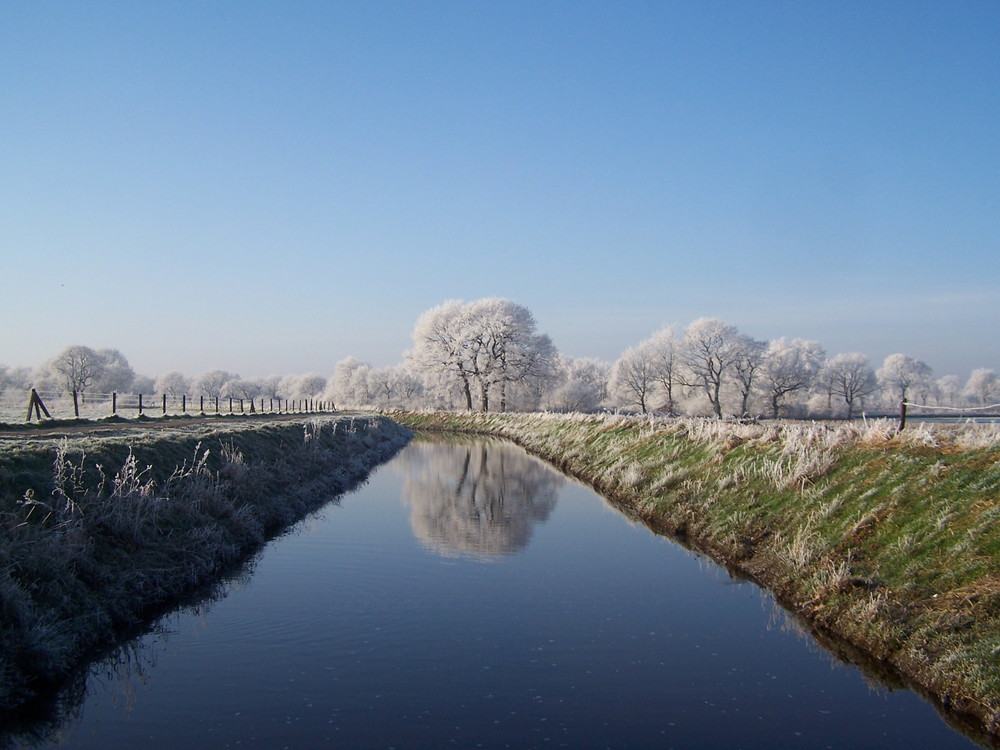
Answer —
(953, 408)
(43, 405)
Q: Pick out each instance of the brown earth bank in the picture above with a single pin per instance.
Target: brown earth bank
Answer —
(885, 545)
(104, 526)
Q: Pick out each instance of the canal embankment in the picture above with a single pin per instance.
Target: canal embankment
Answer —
(887, 541)
(101, 532)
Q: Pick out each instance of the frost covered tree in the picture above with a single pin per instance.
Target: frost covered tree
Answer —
(633, 377)
(789, 367)
(172, 383)
(947, 390)
(747, 364)
(394, 387)
(709, 350)
(240, 388)
(350, 384)
(270, 387)
(664, 349)
(983, 387)
(480, 347)
(143, 384)
(581, 385)
(523, 360)
(851, 377)
(445, 348)
(211, 383)
(77, 368)
(310, 385)
(12, 378)
(117, 375)
(899, 375)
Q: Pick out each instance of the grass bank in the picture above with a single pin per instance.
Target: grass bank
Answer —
(99, 533)
(887, 541)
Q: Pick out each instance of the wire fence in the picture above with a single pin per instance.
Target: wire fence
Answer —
(987, 413)
(33, 406)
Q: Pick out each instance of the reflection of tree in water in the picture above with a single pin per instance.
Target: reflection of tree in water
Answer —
(478, 499)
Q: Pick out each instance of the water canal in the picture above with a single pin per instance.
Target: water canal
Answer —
(470, 596)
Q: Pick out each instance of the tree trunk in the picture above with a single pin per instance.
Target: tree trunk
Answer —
(467, 390)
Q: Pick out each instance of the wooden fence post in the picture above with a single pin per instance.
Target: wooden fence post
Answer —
(164, 404)
(140, 404)
(114, 404)
(34, 402)
(184, 403)
(902, 415)
(76, 405)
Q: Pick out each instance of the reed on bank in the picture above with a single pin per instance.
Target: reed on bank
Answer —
(98, 534)
(888, 540)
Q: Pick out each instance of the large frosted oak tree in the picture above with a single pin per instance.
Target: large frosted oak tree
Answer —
(481, 348)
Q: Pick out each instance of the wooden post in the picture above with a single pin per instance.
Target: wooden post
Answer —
(902, 415)
(140, 404)
(184, 403)
(76, 405)
(114, 404)
(35, 403)
(164, 404)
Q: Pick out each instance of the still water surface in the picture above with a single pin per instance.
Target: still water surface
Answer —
(470, 596)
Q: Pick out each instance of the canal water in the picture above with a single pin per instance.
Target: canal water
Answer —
(470, 596)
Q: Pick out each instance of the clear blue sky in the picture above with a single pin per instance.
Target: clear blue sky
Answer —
(268, 187)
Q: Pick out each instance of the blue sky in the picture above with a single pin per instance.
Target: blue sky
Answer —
(269, 187)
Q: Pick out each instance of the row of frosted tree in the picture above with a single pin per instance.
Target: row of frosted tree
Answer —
(88, 371)
(486, 355)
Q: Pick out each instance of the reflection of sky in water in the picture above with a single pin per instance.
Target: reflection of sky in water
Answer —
(479, 500)
(352, 633)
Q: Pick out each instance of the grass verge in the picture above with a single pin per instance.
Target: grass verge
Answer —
(97, 534)
(889, 542)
